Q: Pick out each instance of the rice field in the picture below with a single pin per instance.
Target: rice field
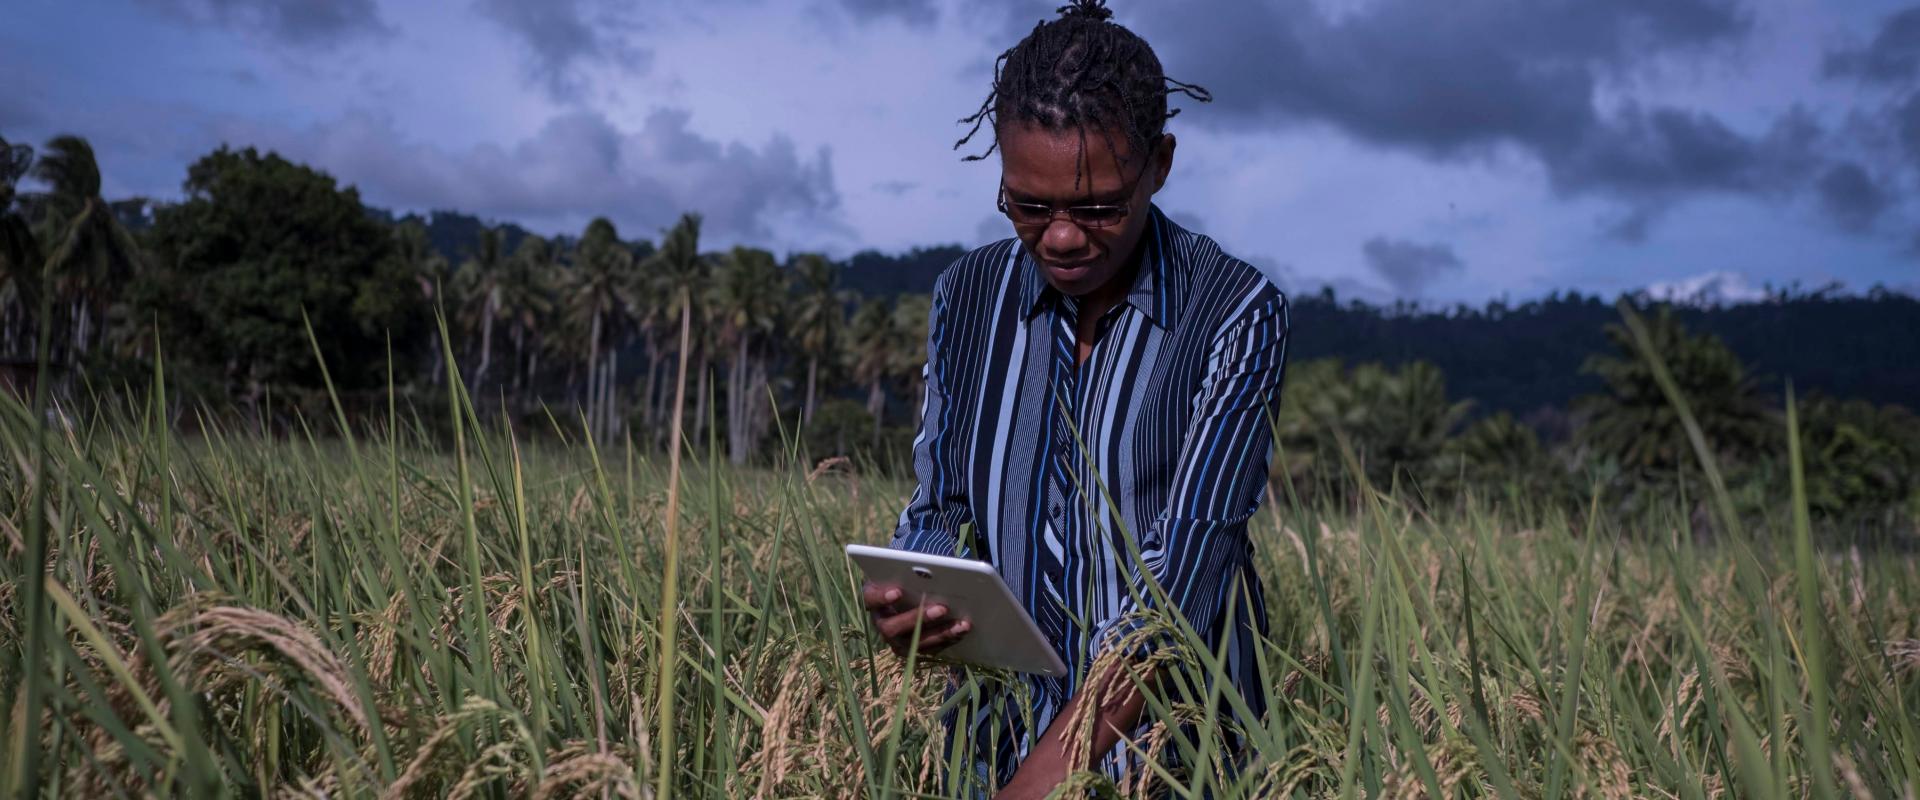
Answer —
(524, 613)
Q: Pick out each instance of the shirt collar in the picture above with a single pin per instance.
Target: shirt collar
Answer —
(1152, 290)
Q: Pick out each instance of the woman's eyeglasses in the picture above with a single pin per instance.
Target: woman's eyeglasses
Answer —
(1095, 215)
(1086, 216)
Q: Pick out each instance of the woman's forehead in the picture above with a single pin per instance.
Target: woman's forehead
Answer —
(1061, 164)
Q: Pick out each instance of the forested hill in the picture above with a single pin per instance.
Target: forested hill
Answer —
(1528, 356)
(1518, 358)
(1523, 357)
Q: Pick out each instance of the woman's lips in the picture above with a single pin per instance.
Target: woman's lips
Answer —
(1068, 272)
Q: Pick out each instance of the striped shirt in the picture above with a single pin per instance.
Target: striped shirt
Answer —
(1161, 436)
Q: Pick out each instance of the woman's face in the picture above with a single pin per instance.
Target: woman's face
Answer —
(1041, 166)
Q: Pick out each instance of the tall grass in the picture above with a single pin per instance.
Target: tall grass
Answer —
(389, 614)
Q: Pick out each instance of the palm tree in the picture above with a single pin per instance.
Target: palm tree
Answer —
(871, 355)
(674, 270)
(20, 258)
(429, 270)
(1635, 424)
(910, 319)
(526, 300)
(746, 298)
(1396, 422)
(93, 255)
(598, 299)
(478, 283)
(819, 315)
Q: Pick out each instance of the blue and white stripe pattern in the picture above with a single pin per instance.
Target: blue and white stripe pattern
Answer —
(1162, 434)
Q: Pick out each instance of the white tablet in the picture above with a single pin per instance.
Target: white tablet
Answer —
(1002, 635)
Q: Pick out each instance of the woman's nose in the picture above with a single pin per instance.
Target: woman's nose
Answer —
(1063, 237)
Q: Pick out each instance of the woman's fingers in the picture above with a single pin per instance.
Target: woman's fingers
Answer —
(876, 597)
(900, 626)
(941, 640)
(938, 630)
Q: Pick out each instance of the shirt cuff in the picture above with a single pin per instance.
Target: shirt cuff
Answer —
(1128, 630)
(932, 541)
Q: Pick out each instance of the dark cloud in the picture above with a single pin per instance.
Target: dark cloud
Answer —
(1892, 57)
(1409, 266)
(1852, 197)
(304, 23)
(579, 165)
(918, 13)
(896, 188)
(1443, 78)
(1647, 153)
(563, 35)
(1466, 80)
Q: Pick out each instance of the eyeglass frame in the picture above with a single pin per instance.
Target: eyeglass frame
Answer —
(1126, 206)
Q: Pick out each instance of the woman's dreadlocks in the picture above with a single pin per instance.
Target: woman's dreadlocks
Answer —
(1078, 71)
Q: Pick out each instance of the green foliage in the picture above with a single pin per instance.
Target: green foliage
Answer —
(748, 299)
(1503, 456)
(842, 427)
(872, 347)
(677, 268)
(1861, 459)
(599, 287)
(1634, 429)
(258, 241)
(82, 257)
(1397, 422)
(748, 295)
(819, 319)
(72, 175)
(21, 260)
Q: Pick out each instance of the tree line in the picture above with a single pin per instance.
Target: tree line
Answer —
(228, 281)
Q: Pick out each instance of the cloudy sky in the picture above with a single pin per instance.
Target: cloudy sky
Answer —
(1443, 151)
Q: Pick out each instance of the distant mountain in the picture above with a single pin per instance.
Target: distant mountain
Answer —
(1707, 289)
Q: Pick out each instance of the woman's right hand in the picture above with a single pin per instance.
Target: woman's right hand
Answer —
(894, 615)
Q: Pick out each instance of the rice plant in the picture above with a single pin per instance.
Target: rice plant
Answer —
(385, 610)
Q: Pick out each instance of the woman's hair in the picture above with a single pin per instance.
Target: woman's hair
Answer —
(1081, 70)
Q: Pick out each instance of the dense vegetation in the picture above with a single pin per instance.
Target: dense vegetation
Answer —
(1547, 394)
(391, 614)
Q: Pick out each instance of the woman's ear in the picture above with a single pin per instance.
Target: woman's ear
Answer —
(1162, 161)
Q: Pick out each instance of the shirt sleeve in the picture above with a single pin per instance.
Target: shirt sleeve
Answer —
(1196, 547)
(933, 516)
